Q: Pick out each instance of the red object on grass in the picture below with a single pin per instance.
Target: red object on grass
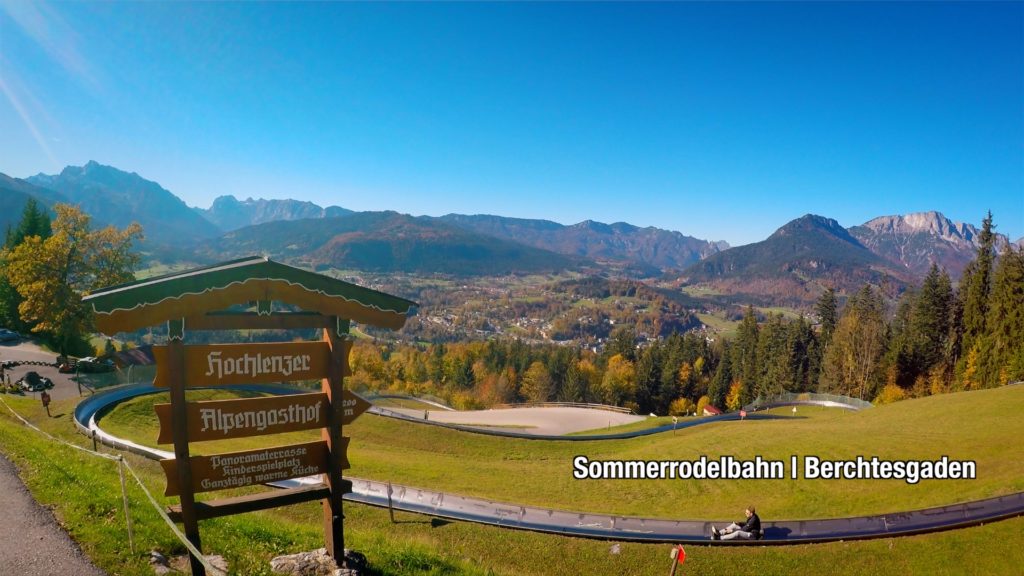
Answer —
(681, 556)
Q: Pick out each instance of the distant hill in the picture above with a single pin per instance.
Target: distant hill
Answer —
(622, 242)
(112, 196)
(387, 242)
(796, 262)
(228, 213)
(917, 240)
(14, 193)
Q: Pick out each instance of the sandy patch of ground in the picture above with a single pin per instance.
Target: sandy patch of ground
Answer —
(547, 421)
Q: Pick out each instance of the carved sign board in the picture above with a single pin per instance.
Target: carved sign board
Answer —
(237, 469)
(213, 365)
(223, 419)
(352, 406)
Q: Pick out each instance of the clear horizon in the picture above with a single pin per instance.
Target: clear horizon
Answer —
(720, 121)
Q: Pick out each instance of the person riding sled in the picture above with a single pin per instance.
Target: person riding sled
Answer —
(750, 530)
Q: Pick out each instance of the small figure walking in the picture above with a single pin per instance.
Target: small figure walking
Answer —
(45, 397)
(426, 415)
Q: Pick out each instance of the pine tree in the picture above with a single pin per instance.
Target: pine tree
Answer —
(976, 286)
(1006, 320)
(930, 320)
(744, 356)
(827, 309)
(722, 380)
(34, 222)
(773, 359)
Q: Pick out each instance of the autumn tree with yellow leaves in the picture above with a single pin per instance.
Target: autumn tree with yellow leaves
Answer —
(53, 274)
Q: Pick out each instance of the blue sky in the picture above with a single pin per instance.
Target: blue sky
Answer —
(722, 121)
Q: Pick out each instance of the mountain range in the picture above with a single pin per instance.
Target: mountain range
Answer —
(387, 242)
(795, 262)
(620, 241)
(229, 213)
(917, 240)
(112, 196)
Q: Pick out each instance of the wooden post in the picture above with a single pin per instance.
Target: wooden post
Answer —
(179, 415)
(333, 385)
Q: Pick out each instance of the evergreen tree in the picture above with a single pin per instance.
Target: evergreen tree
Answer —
(931, 318)
(622, 342)
(1005, 353)
(672, 385)
(744, 356)
(34, 222)
(828, 314)
(901, 363)
(575, 389)
(719, 386)
(773, 359)
(648, 379)
(976, 286)
(804, 357)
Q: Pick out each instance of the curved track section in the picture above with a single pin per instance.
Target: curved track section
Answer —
(582, 524)
(808, 399)
(438, 405)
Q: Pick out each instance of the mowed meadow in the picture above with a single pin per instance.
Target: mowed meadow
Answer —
(978, 426)
(84, 493)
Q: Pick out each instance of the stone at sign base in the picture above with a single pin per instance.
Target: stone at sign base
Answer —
(318, 563)
(163, 566)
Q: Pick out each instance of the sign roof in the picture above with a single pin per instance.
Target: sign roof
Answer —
(213, 288)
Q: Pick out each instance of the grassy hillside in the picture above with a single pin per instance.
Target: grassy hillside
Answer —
(84, 494)
(964, 426)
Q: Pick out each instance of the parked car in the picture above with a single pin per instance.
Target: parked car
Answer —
(9, 335)
(33, 382)
(94, 364)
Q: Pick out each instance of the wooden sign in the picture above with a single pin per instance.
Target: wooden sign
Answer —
(352, 405)
(237, 469)
(223, 419)
(213, 365)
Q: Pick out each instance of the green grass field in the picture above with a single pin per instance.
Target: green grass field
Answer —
(85, 495)
(716, 322)
(965, 426)
(410, 403)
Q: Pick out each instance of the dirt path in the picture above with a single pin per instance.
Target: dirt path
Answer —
(34, 544)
